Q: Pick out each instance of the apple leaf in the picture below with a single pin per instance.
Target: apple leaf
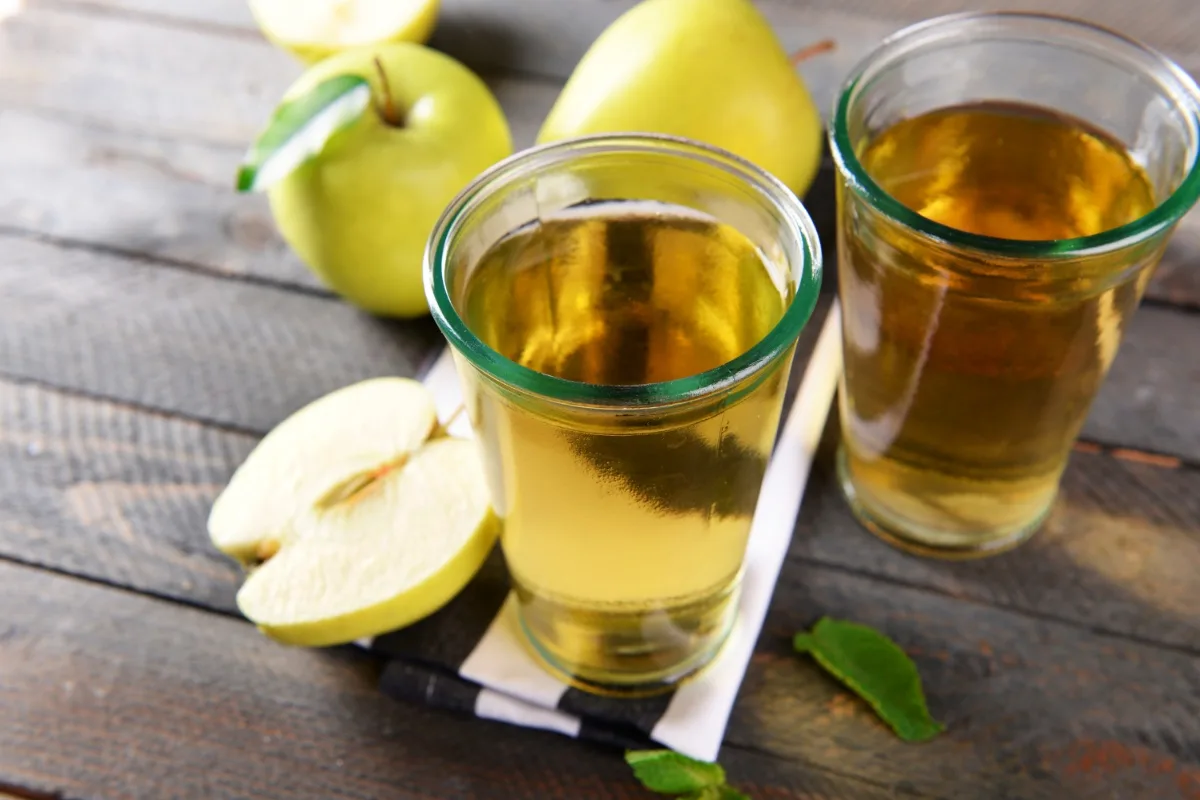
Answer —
(299, 129)
(877, 670)
(668, 772)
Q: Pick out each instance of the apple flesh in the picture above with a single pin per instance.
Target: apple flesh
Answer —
(359, 213)
(355, 515)
(353, 431)
(394, 553)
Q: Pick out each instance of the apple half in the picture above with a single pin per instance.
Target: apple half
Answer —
(315, 29)
(355, 516)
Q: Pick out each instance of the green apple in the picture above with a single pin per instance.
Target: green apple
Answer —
(365, 151)
(355, 516)
(316, 29)
(709, 70)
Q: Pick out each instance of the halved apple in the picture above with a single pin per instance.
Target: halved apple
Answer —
(352, 520)
(315, 29)
(354, 431)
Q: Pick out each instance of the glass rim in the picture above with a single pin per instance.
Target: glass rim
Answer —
(781, 336)
(1163, 215)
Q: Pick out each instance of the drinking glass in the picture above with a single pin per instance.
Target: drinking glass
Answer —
(971, 360)
(625, 504)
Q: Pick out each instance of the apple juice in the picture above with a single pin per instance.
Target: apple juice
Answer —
(625, 534)
(968, 377)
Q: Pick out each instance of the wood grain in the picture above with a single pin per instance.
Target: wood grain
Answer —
(119, 495)
(115, 494)
(140, 194)
(198, 705)
(1117, 554)
(1033, 709)
(133, 75)
(164, 197)
(1066, 669)
(230, 352)
(142, 698)
(1150, 396)
(246, 355)
(85, 156)
(549, 36)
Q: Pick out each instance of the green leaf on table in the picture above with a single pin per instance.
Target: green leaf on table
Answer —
(876, 669)
(668, 772)
(300, 128)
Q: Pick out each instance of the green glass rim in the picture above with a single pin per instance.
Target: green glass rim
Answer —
(1159, 218)
(806, 280)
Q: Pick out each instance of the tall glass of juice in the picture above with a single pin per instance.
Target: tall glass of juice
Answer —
(1008, 183)
(623, 311)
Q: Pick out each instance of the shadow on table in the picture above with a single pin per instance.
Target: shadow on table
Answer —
(1062, 668)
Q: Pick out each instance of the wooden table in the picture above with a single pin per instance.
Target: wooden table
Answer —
(153, 326)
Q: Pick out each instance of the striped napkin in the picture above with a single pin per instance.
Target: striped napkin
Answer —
(467, 657)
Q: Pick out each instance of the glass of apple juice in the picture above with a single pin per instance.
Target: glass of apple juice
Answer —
(623, 311)
(1007, 185)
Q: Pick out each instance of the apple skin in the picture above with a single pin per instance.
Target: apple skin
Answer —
(359, 213)
(708, 70)
(418, 30)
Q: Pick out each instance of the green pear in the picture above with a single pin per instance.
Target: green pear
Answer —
(709, 70)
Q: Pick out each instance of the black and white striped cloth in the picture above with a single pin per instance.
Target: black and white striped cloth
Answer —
(467, 657)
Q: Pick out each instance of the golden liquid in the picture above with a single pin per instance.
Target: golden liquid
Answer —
(625, 534)
(968, 377)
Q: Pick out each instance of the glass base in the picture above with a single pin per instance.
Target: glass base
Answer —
(627, 653)
(949, 544)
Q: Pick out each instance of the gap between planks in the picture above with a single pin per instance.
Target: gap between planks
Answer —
(11, 791)
(141, 408)
(153, 18)
(142, 257)
(1027, 613)
(859, 572)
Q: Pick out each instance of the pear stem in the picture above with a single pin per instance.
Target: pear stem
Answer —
(388, 109)
(819, 48)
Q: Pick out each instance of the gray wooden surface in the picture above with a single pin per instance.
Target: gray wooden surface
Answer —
(153, 326)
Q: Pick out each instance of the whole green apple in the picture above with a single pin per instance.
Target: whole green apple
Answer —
(358, 213)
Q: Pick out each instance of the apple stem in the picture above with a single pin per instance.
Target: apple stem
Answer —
(819, 48)
(450, 419)
(388, 109)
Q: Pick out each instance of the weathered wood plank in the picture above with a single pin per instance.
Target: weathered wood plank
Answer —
(115, 494)
(122, 158)
(246, 355)
(120, 495)
(204, 705)
(549, 36)
(197, 705)
(133, 75)
(165, 197)
(231, 352)
(1033, 709)
(1118, 554)
(232, 14)
(1151, 397)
